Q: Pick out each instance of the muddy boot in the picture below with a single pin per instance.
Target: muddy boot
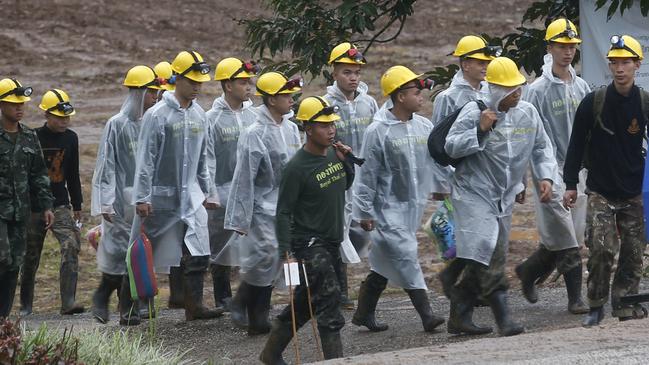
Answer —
(176, 295)
(8, 282)
(27, 282)
(573, 287)
(147, 308)
(594, 317)
(534, 271)
(368, 297)
(258, 308)
(341, 273)
(239, 306)
(68, 286)
(193, 289)
(332, 346)
(460, 321)
(498, 304)
(101, 297)
(419, 300)
(128, 309)
(221, 284)
(280, 336)
(448, 276)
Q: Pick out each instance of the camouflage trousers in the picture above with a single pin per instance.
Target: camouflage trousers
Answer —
(12, 245)
(66, 233)
(323, 284)
(614, 226)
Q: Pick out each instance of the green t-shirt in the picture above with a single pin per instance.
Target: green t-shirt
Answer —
(311, 200)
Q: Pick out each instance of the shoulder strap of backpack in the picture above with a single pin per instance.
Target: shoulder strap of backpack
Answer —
(598, 105)
(481, 105)
(644, 102)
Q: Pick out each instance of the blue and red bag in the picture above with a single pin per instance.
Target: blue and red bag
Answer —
(139, 263)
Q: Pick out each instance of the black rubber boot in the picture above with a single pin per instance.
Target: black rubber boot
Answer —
(280, 336)
(239, 306)
(368, 297)
(258, 309)
(8, 283)
(345, 302)
(129, 314)
(27, 283)
(176, 295)
(147, 308)
(101, 297)
(594, 317)
(573, 287)
(193, 304)
(221, 284)
(448, 276)
(419, 300)
(332, 346)
(460, 321)
(498, 304)
(68, 287)
(534, 271)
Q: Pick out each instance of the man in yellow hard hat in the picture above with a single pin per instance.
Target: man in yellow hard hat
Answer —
(172, 181)
(390, 195)
(497, 145)
(112, 187)
(310, 215)
(263, 151)
(607, 138)
(60, 147)
(167, 80)
(230, 115)
(356, 108)
(23, 177)
(556, 95)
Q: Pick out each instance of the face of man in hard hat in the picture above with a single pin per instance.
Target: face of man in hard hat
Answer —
(474, 70)
(410, 98)
(280, 103)
(321, 134)
(187, 90)
(511, 100)
(150, 98)
(56, 123)
(623, 70)
(239, 90)
(12, 112)
(562, 53)
(347, 77)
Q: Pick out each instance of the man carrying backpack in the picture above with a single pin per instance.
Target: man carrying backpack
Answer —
(556, 95)
(608, 136)
(497, 144)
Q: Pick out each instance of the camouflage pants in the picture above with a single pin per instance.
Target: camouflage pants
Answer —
(614, 226)
(325, 290)
(65, 231)
(12, 245)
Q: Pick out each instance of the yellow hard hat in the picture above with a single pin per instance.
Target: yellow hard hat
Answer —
(140, 77)
(472, 46)
(191, 65)
(624, 46)
(316, 109)
(346, 53)
(395, 77)
(165, 74)
(562, 31)
(273, 83)
(12, 91)
(57, 102)
(504, 72)
(234, 68)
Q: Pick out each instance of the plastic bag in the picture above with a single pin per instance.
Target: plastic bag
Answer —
(139, 263)
(441, 229)
(94, 236)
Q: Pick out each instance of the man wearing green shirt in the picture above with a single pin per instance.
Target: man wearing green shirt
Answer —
(310, 225)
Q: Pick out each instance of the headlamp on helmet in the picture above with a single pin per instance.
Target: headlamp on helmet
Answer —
(493, 51)
(62, 106)
(617, 42)
(326, 110)
(25, 91)
(353, 54)
(293, 83)
(250, 67)
(421, 84)
(568, 33)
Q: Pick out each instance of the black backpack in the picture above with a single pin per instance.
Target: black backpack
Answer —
(437, 137)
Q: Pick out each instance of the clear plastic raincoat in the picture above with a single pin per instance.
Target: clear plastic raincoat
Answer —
(392, 188)
(263, 151)
(224, 126)
(355, 116)
(112, 183)
(557, 102)
(484, 185)
(172, 174)
(458, 93)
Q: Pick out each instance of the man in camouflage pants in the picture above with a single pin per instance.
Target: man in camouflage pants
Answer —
(22, 176)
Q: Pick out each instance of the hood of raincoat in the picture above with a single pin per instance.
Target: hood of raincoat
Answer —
(220, 104)
(547, 70)
(336, 94)
(133, 106)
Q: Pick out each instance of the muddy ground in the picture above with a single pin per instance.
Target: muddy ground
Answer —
(86, 47)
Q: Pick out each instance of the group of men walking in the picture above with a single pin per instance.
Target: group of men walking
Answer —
(243, 186)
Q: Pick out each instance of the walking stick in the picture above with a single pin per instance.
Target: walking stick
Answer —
(290, 296)
(313, 324)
